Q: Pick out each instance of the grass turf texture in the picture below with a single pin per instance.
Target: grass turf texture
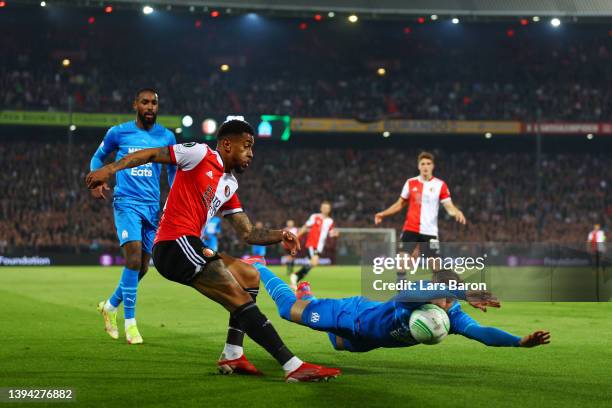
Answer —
(51, 336)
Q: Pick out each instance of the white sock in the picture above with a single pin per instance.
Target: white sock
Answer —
(231, 352)
(293, 364)
(108, 307)
(294, 279)
(129, 322)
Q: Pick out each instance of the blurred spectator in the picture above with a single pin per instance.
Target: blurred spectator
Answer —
(46, 206)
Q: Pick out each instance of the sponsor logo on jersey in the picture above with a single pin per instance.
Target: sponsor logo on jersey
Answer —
(144, 170)
(211, 202)
(209, 173)
(124, 234)
(138, 172)
(227, 191)
(315, 317)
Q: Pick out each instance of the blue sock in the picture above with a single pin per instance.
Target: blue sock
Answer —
(129, 285)
(279, 291)
(117, 296)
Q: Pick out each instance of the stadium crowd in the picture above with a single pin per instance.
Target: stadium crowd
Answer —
(45, 206)
(329, 74)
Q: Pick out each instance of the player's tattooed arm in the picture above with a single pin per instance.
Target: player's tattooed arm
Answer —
(262, 236)
(156, 155)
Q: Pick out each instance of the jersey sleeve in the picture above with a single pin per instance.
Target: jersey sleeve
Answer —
(171, 168)
(108, 145)
(231, 206)
(444, 193)
(463, 324)
(405, 191)
(188, 155)
(311, 220)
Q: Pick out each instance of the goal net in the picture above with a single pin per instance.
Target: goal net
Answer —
(352, 242)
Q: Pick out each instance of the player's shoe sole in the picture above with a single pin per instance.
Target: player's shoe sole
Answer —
(312, 373)
(110, 320)
(132, 335)
(240, 366)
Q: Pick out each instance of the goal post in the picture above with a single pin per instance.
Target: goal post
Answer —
(351, 243)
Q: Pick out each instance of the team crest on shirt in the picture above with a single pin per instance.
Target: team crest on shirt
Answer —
(415, 189)
(227, 191)
(124, 234)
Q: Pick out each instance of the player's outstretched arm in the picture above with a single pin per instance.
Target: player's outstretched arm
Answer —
(393, 209)
(536, 338)
(262, 236)
(101, 176)
(454, 211)
(463, 324)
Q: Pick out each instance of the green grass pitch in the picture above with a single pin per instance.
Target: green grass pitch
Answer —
(51, 336)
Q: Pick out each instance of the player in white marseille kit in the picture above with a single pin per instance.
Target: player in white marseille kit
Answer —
(290, 226)
(423, 195)
(204, 185)
(321, 226)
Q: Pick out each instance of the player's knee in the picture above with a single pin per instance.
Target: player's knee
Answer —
(251, 276)
(133, 262)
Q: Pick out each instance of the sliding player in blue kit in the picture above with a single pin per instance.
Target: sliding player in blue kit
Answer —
(358, 324)
(135, 203)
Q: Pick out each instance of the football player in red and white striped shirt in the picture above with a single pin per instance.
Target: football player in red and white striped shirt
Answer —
(423, 195)
(204, 185)
(321, 226)
(290, 226)
(596, 244)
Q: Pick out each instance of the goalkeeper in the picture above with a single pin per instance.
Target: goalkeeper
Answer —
(358, 324)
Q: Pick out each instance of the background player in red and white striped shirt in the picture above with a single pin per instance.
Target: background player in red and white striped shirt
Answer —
(423, 195)
(290, 259)
(204, 185)
(596, 244)
(321, 226)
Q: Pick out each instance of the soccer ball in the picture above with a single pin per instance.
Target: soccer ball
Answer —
(429, 324)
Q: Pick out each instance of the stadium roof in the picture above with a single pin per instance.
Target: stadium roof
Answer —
(558, 8)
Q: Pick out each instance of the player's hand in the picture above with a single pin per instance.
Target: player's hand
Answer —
(459, 217)
(537, 338)
(97, 178)
(291, 242)
(378, 217)
(98, 192)
(480, 299)
(483, 305)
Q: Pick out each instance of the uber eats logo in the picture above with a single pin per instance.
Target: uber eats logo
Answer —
(144, 170)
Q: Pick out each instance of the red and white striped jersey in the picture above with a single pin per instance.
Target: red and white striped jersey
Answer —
(201, 188)
(424, 198)
(320, 227)
(597, 239)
